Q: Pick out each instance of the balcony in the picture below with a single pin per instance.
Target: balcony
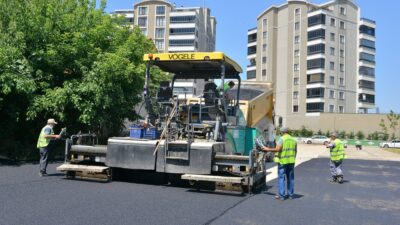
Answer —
(319, 19)
(367, 30)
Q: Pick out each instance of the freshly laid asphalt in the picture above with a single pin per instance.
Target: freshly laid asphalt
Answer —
(370, 195)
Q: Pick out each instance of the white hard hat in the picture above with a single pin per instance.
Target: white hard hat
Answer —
(51, 121)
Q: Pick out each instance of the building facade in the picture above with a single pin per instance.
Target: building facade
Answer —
(319, 58)
(177, 29)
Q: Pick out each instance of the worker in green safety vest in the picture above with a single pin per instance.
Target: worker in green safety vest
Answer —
(285, 157)
(337, 153)
(226, 87)
(45, 137)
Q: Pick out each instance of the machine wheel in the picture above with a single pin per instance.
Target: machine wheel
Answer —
(309, 142)
(325, 142)
(386, 146)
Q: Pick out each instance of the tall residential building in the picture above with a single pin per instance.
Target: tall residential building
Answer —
(127, 14)
(177, 29)
(319, 58)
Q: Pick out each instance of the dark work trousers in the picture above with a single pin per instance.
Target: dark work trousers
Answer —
(43, 159)
(336, 168)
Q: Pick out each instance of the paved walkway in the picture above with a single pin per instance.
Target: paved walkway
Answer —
(307, 152)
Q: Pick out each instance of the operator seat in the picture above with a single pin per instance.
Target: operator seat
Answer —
(210, 93)
(164, 93)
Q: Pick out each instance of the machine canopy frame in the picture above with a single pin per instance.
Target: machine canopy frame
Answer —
(195, 65)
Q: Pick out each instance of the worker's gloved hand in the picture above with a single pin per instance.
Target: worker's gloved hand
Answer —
(259, 144)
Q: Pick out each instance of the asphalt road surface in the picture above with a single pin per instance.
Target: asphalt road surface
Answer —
(370, 195)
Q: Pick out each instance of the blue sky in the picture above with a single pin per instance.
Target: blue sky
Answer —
(235, 17)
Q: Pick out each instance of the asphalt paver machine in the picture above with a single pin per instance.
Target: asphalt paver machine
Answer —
(208, 138)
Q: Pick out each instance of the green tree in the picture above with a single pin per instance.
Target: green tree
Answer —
(360, 135)
(69, 60)
(342, 134)
(351, 135)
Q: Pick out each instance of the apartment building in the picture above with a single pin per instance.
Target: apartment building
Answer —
(127, 14)
(177, 29)
(319, 58)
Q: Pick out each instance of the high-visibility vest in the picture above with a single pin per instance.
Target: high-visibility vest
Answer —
(337, 153)
(288, 153)
(42, 141)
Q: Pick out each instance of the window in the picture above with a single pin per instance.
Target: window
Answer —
(316, 63)
(341, 53)
(315, 107)
(181, 42)
(177, 31)
(331, 94)
(366, 98)
(367, 84)
(332, 80)
(264, 22)
(296, 53)
(341, 95)
(367, 30)
(142, 21)
(332, 51)
(342, 10)
(315, 78)
(341, 67)
(316, 20)
(367, 57)
(264, 72)
(160, 32)
(251, 74)
(297, 25)
(183, 19)
(341, 81)
(296, 81)
(297, 11)
(342, 25)
(367, 43)
(331, 108)
(366, 71)
(295, 95)
(332, 36)
(264, 59)
(315, 93)
(333, 22)
(264, 34)
(264, 47)
(159, 44)
(316, 34)
(297, 39)
(142, 11)
(315, 49)
(342, 39)
(144, 31)
(160, 10)
(341, 109)
(295, 108)
(160, 21)
(296, 67)
(332, 66)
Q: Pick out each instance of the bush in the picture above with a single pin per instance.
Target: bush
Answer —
(360, 135)
(342, 134)
(351, 135)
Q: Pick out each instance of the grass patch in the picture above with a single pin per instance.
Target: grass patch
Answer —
(395, 150)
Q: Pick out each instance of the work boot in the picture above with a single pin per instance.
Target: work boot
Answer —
(277, 197)
(340, 179)
(333, 180)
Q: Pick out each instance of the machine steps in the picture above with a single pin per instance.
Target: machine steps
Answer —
(222, 183)
(90, 172)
